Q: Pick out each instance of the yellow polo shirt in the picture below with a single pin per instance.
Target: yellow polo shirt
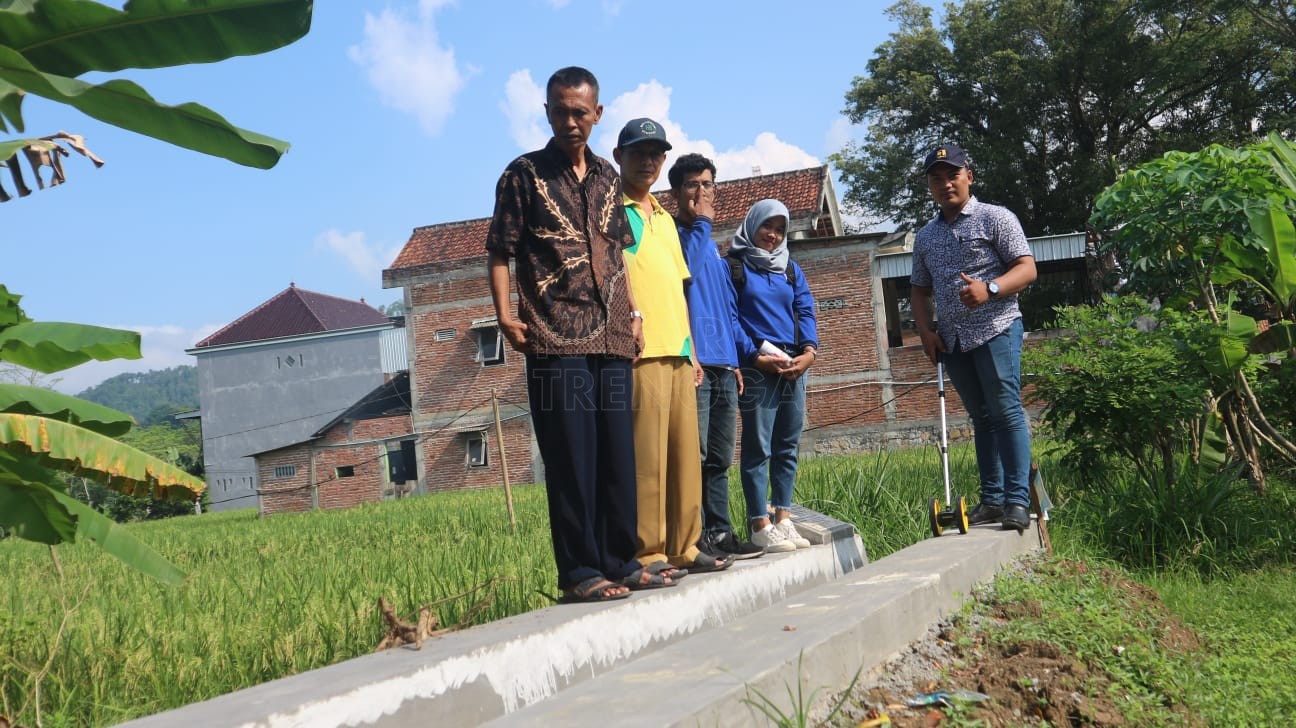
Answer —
(655, 264)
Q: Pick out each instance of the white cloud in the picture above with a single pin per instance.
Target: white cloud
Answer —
(367, 259)
(839, 134)
(523, 104)
(161, 347)
(766, 152)
(406, 63)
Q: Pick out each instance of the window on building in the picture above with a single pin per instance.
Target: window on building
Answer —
(443, 335)
(285, 471)
(346, 471)
(477, 453)
(490, 346)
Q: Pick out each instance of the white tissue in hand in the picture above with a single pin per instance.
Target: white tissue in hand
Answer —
(774, 351)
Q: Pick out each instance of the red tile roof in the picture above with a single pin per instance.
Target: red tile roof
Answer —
(801, 190)
(293, 312)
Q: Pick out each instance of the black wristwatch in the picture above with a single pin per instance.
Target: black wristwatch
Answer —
(993, 288)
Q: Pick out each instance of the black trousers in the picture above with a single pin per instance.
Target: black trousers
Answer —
(580, 410)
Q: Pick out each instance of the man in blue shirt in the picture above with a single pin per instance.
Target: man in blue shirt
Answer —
(719, 344)
(972, 260)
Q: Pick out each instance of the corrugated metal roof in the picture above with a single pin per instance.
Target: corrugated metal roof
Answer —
(1045, 248)
(392, 348)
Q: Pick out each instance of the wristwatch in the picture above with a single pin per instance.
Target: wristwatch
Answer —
(636, 315)
(993, 288)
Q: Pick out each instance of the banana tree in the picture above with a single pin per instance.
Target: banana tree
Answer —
(43, 432)
(46, 44)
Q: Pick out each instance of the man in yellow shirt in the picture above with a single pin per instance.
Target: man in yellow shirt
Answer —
(668, 467)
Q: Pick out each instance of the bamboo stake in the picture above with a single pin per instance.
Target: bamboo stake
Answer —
(499, 437)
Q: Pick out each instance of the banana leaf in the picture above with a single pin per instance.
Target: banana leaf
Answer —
(1275, 228)
(71, 37)
(10, 312)
(10, 108)
(1283, 159)
(34, 506)
(79, 451)
(22, 399)
(118, 542)
(51, 347)
(28, 503)
(127, 105)
(1228, 351)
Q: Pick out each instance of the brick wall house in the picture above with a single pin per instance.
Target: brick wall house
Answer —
(276, 374)
(357, 457)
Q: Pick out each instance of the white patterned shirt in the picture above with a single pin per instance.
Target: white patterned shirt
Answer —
(982, 242)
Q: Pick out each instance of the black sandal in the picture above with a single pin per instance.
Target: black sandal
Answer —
(593, 589)
(635, 580)
(706, 563)
(664, 568)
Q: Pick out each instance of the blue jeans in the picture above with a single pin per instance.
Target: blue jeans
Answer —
(988, 380)
(717, 406)
(773, 410)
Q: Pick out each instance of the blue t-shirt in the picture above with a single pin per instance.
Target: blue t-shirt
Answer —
(773, 310)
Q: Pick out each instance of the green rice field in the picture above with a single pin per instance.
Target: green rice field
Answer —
(269, 597)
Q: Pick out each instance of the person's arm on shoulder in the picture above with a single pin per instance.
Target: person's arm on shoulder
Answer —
(500, 286)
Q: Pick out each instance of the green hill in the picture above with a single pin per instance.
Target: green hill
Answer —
(151, 396)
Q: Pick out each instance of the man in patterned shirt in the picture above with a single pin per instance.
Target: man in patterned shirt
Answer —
(558, 216)
(972, 260)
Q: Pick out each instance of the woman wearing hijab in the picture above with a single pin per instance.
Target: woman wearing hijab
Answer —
(776, 310)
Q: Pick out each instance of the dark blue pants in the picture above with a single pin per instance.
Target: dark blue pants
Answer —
(580, 410)
(717, 405)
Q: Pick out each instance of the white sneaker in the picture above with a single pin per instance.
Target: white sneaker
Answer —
(773, 540)
(791, 534)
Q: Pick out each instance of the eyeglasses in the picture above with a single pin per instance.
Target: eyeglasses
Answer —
(691, 186)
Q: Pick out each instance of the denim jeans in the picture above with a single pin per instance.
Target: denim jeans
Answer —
(717, 406)
(773, 410)
(988, 380)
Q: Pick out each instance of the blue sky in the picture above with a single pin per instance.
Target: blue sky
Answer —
(401, 113)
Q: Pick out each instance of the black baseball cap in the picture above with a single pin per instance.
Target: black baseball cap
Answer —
(946, 154)
(641, 130)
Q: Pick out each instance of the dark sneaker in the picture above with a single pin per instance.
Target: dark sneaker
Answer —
(740, 550)
(1015, 517)
(710, 546)
(985, 513)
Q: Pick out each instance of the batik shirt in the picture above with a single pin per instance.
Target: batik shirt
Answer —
(566, 237)
(982, 242)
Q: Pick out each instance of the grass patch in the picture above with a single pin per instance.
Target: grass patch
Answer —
(270, 597)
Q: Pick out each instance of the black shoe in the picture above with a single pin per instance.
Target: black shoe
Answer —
(709, 545)
(740, 550)
(1015, 517)
(985, 513)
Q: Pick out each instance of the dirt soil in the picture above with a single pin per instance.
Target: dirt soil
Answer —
(1028, 682)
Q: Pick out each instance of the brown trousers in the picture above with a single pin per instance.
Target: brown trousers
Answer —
(668, 467)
